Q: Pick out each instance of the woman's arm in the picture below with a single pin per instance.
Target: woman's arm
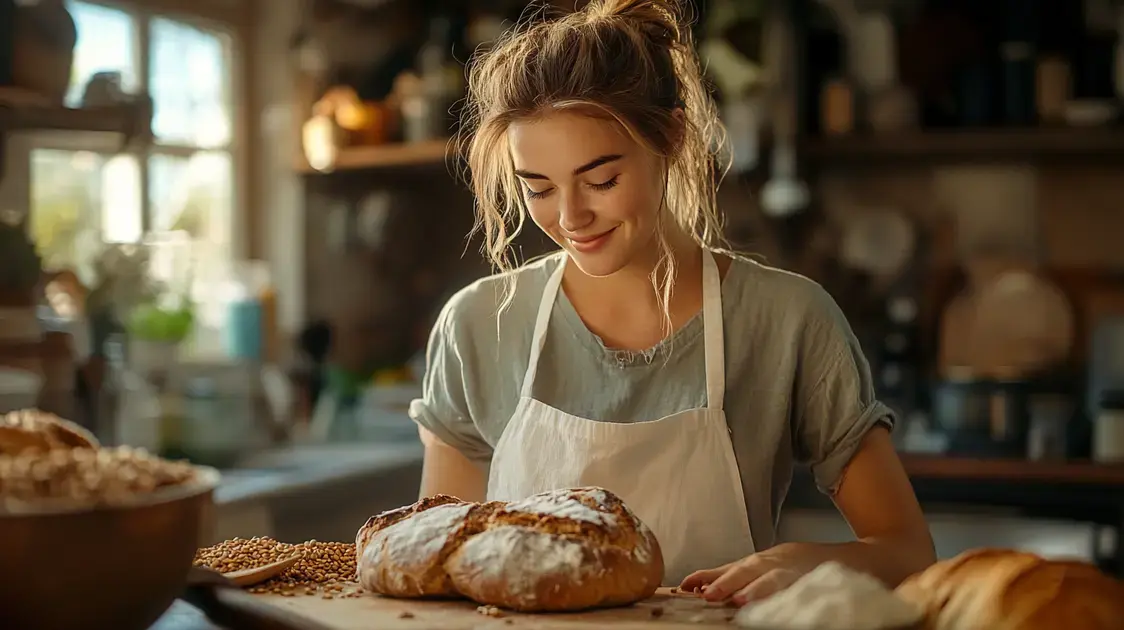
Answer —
(877, 500)
(447, 471)
(456, 452)
(842, 430)
(875, 497)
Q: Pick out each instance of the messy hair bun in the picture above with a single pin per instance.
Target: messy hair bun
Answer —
(631, 60)
(661, 20)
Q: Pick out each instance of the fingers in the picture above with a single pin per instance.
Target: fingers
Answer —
(767, 585)
(700, 579)
(736, 577)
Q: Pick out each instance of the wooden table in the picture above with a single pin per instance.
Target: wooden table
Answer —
(1083, 491)
(667, 610)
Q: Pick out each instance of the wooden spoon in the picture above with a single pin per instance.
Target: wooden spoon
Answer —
(257, 575)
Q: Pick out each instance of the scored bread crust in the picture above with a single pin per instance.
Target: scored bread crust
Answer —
(1002, 589)
(557, 551)
(401, 553)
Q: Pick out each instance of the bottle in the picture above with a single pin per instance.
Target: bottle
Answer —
(109, 392)
(1108, 428)
(271, 337)
(441, 77)
(249, 296)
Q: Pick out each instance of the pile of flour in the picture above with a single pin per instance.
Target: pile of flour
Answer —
(831, 597)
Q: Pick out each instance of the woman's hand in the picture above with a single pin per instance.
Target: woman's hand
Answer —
(754, 577)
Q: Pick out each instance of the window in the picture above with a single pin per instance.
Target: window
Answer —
(83, 193)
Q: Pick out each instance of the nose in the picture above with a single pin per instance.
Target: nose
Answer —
(573, 214)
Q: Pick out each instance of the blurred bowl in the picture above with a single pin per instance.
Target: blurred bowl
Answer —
(117, 567)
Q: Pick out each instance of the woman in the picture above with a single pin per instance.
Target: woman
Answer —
(640, 357)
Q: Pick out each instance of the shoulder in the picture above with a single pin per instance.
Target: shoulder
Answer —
(497, 299)
(771, 292)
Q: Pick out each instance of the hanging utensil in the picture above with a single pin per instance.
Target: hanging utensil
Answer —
(784, 194)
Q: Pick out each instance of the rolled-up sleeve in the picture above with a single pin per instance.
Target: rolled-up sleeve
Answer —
(444, 407)
(835, 405)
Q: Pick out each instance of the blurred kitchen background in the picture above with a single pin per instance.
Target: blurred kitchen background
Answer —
(227, 227)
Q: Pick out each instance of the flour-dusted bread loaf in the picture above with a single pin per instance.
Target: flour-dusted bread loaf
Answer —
(1000, 589)
(401, 553)
(558, 551)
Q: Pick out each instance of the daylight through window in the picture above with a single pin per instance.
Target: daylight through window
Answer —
(86, 194)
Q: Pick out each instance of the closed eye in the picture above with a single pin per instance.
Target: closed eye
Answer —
(605, 185)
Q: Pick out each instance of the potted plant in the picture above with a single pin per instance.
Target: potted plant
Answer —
(156, 327)
(155, 318)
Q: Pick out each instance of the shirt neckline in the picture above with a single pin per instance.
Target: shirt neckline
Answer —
(682, 338)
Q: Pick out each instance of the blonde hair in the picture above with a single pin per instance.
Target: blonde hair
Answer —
(633, 61)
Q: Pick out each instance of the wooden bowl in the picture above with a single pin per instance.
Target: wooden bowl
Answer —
(115, 567)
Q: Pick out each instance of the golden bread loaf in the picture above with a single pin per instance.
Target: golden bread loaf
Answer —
(557, 551)
(1000, 589)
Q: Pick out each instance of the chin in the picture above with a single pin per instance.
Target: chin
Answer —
(599, 264)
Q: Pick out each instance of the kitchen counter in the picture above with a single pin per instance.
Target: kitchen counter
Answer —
(322, 491)
(375, 476)
(296, 469)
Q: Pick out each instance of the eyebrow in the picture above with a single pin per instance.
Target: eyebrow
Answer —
(584, 168)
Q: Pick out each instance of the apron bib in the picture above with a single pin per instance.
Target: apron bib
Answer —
(677, 473)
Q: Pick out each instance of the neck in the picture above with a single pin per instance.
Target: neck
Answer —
(631, 295)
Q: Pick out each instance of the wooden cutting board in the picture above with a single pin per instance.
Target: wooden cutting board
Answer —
(664, 611)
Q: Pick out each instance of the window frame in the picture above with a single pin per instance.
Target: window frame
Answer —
(221, 17)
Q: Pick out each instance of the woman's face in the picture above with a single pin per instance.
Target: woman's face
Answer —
(590, 187)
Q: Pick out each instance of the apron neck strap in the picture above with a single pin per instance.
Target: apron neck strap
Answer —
(713, 336)
(542, 321)
(713, 333)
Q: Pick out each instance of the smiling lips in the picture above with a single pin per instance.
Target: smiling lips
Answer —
(590, 244)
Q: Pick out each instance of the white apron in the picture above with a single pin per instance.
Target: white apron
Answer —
(678, 473)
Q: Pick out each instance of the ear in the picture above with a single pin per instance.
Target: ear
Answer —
(680, 117)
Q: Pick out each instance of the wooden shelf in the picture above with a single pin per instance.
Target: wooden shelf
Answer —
(1009, 145)
(431, 152)
(1012, 470)
(21, 110)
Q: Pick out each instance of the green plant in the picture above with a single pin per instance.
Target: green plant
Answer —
(156, 322)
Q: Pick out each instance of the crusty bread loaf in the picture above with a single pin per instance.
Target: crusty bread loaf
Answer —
(402, 553)
(558, 551)
(1000, 589)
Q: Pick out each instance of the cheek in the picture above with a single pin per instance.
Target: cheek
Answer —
(633, 205)
(543, 214)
